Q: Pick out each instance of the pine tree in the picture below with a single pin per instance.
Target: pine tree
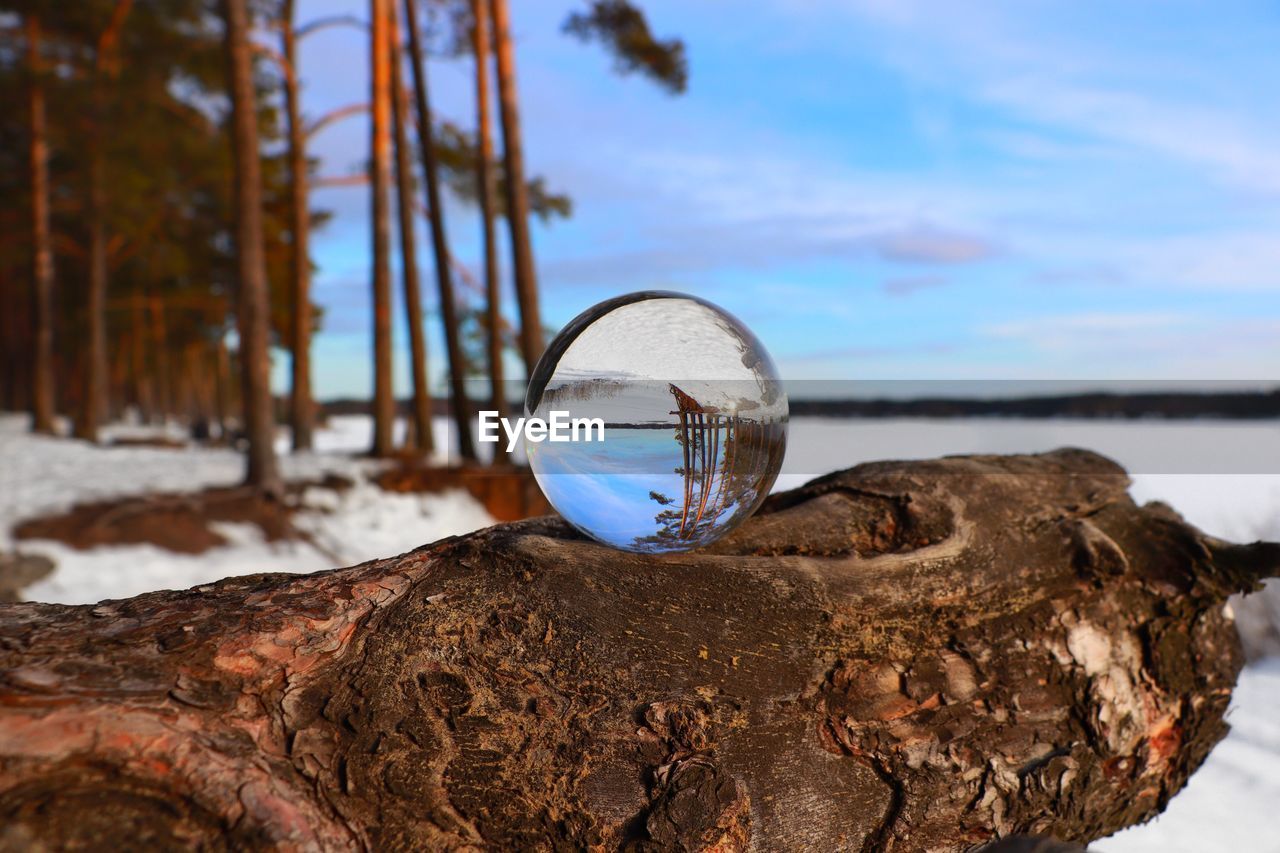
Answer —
(379, 179)
(42, 401)
(301, 404)
(424, 441)
(252, 300)
(435, 211)
(488, 197)
(106, 59)
(531, 340)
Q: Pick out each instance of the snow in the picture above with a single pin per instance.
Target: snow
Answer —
(1222, 476)
(42, 475)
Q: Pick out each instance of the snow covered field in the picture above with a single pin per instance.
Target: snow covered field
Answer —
(1223, 476)
(42, 475)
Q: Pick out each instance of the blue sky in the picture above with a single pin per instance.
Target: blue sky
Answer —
(882, 189)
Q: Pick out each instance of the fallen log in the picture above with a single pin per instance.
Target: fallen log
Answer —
(903, 656)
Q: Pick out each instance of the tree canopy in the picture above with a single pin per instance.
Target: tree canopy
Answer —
(624, 31)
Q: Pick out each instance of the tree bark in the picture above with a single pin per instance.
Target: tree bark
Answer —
(42, 398)
(459, 404)
(224, 394)
(14, 348)
(143, 396)
(301, 404)
(904, 656)
(384, 404)
(162, 346)
(252, 316)
(424, 440)
(485, 178)
(531, 342)
(94, 407)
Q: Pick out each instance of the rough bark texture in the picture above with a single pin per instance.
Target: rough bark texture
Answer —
(904, 656)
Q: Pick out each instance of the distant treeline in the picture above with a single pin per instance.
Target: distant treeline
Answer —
(1102, 405)
(1244, 405)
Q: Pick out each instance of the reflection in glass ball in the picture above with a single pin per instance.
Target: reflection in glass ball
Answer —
(695, 422)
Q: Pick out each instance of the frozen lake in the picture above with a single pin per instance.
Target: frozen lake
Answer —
(1223, 476)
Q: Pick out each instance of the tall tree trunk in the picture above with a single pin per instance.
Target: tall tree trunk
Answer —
(201, 394)
(8, 346)
(488, 199)
(252, 318)
(384, 406)
(94, 403)
(15, 332)
(435, 212)
(223, 393)
(301, 405)
(143, 393)
(93, 409)
(905, 656)
(162, 361)
(118, 376)
(190, 388)
(42, 402)
(424, 441)
(531, 342)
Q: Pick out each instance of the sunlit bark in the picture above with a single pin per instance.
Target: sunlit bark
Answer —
(252, 316)
(423, 438)
(531, 339)
(301, 404)
(440, 244)
(379, 180)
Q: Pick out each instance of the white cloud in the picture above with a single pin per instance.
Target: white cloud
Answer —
(1199, 135)
(1113, 90)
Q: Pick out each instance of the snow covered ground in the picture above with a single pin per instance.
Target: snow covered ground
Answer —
(40, 475)
(1222, 476)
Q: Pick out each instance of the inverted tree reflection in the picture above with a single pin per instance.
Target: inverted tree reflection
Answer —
(725, 458)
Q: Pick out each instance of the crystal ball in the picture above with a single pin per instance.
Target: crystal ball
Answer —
(672, 422)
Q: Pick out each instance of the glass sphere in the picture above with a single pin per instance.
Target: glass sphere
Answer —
(692, 412)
